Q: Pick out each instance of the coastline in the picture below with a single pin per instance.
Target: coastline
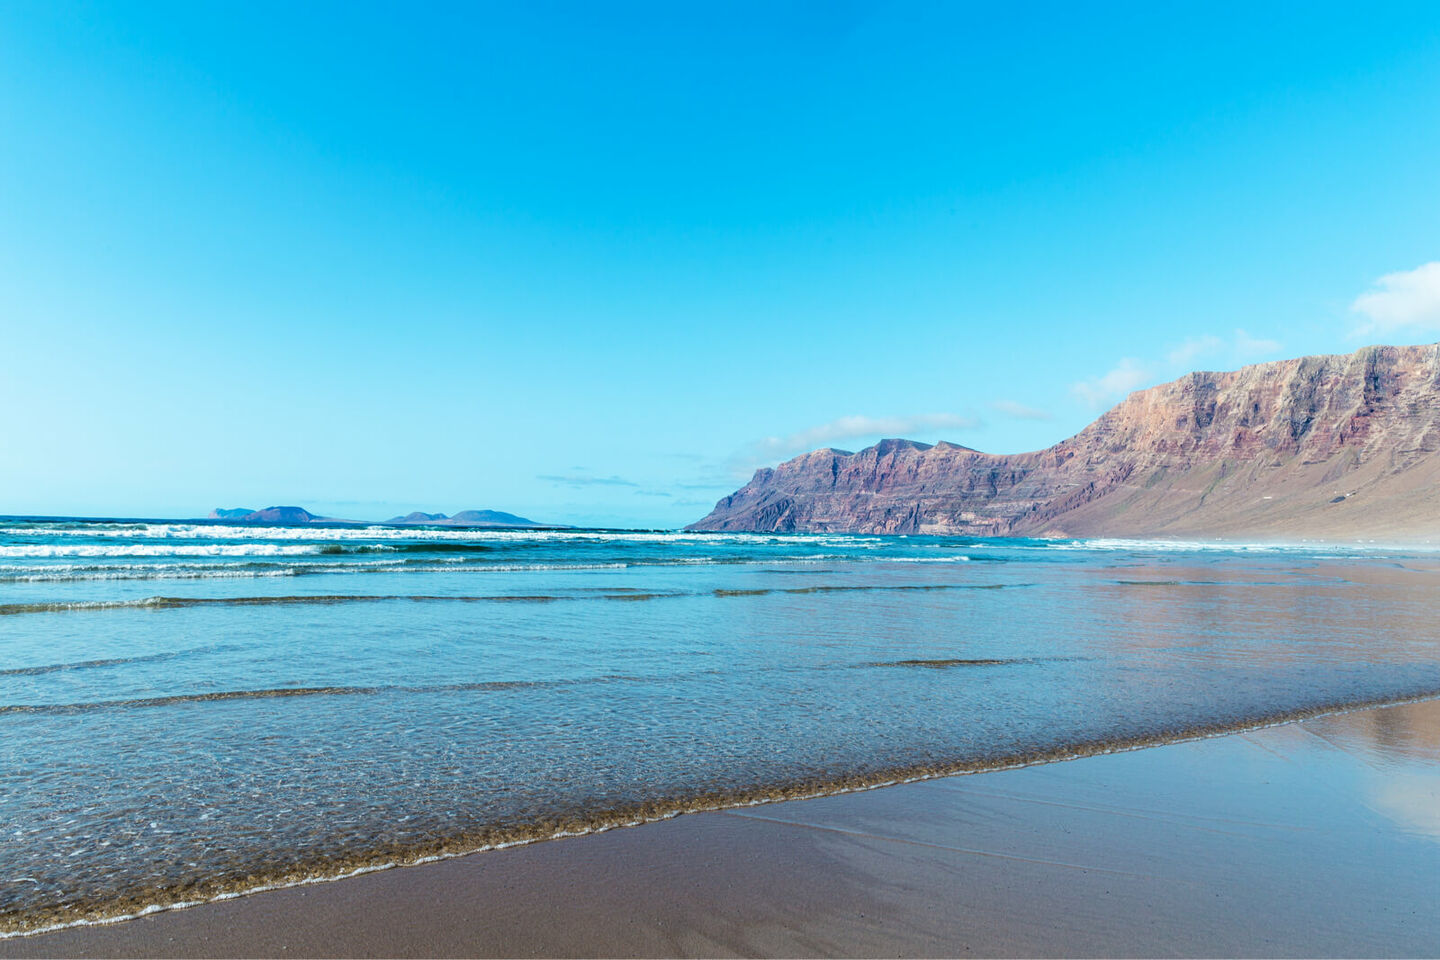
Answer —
(489, 840)
(1269, 840)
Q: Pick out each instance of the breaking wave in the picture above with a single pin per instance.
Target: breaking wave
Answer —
(203, 531)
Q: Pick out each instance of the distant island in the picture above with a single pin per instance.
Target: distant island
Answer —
(466, 518)
(283, 515)
(296, 516)
(1331, 447)
(230, 513)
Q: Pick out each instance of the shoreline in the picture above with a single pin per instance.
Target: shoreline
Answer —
(136, 936)
(499, 839)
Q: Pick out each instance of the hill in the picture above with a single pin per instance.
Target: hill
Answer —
(1319, 447)
(465, 518)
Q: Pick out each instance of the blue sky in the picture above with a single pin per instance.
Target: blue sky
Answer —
(594, 263)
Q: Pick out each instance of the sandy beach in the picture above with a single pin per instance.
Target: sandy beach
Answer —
(1317, 838)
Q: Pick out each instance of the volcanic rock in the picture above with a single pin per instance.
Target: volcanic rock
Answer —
(1318, 447)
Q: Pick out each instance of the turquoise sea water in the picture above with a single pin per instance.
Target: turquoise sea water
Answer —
(188, 710)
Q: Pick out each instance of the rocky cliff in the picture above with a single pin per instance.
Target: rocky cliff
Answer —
(1326, 447)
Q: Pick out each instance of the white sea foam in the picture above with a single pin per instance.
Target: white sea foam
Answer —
(61, 573)
(188, 566)
(58, 550)
(1318, 549)
(952, 558)
(201, 531)
(70, 572)
(216, 574)
(379, 535)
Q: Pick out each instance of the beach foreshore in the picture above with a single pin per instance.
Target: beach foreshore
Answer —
(1314, 838)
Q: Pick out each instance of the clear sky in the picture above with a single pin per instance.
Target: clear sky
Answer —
(593, 263)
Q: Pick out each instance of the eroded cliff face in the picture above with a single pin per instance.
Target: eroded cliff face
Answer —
(1329, 446)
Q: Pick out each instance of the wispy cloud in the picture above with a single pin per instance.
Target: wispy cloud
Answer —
(1102, 391)
(1130, 373)
(587, 480)
(1250, 348)
(857, 428)
(1238, 349)
(1193, 349)
(1019, 411)
(842, 430)
(1408, 300)
(719, 483)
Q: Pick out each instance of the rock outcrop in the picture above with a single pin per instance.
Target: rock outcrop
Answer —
(1319, 447)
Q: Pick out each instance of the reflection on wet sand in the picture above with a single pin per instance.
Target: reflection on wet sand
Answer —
(1400, 778)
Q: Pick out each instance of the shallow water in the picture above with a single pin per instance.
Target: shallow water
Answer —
(191, 709)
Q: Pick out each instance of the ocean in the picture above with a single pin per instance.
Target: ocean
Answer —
(195, 710)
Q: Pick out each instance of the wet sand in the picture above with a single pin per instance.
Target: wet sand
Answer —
(1318, 838)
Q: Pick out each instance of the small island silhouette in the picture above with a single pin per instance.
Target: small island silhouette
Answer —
(295, 516)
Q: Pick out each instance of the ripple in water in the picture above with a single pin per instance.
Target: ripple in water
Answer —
(434, 692)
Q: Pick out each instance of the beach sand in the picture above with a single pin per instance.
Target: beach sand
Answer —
(1319, 838)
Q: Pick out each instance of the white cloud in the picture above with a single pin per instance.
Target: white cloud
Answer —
(1248, 348)
(1103, 391)
(1239, 349)
(1408, 300)
(1130, 374)
(771, 449)
(579, 479)
(1193, 349)
(1018, 411)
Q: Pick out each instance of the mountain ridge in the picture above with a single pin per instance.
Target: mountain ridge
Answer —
(1321, 446)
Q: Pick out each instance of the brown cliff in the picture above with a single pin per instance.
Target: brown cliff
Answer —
(1322, 447)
